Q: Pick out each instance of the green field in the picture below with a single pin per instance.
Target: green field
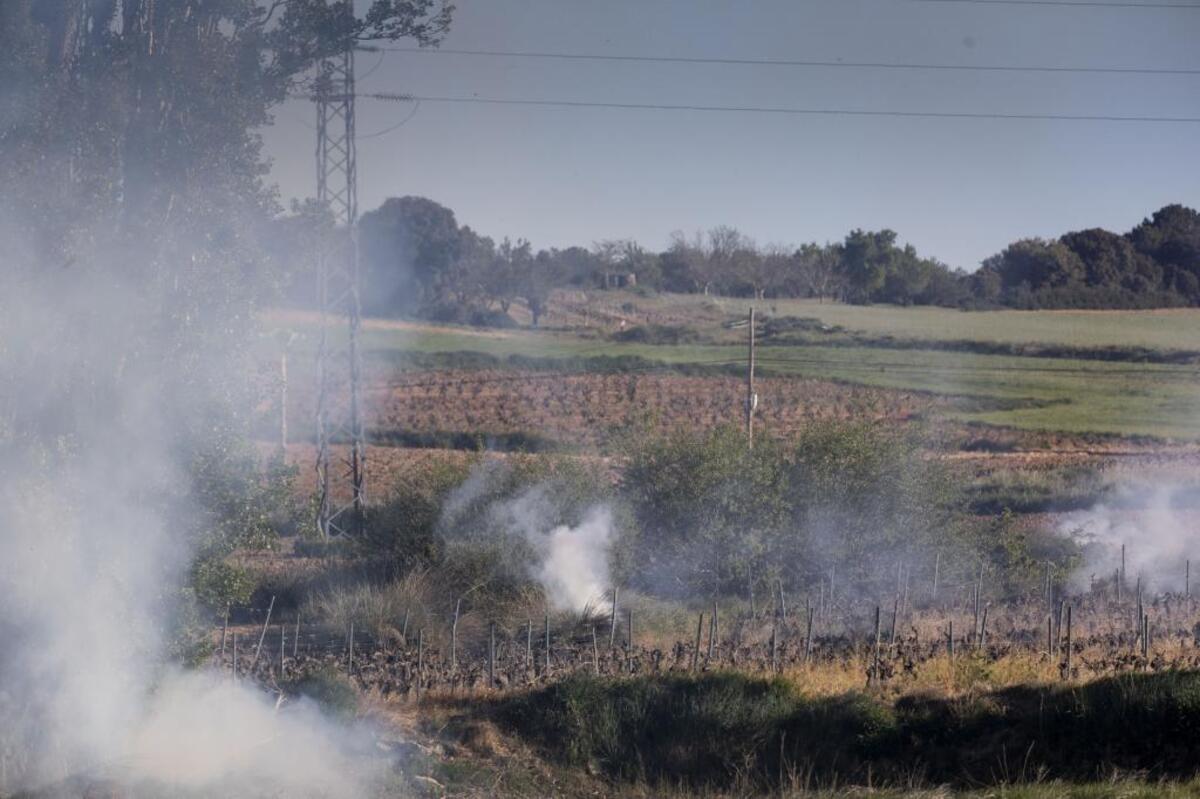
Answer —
(1167, 330)
(1072, 395)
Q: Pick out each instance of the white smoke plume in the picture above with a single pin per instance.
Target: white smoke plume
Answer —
(569, 562)
(93, 556)
(1156, 524)
(573, 565)
(202, 734)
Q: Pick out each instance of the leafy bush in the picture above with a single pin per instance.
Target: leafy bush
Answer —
(237, 504)
(857, 497)
(471, 523)
(865, 496)
(218, 584)
(401, 533)
(777, 326)
(333, 692)
(657, 334)
(487, 521)
(705, 730)
(718, 729)
(707, 507)
(475, 316)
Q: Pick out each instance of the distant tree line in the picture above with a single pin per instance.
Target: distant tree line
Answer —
(1157, 264)
(419, 261)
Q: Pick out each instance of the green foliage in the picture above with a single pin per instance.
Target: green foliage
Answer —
(707, 507)
(1020, 553)
(657, 334)
(243, 505)
(410, 246)
(189, 632)
(402, 532)
(1156, 264)
(218, 584)
(331, 690)
(715, 730)
(131, 167)
(860, 497)
(487, 521)
(419, 261)
(418, 252)
(695, 731)
(474, 440)
(234, 503)
(471, 521)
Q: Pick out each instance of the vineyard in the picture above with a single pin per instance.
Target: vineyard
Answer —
(1124, 374)
(824, 646)
(1030, 441)
(843, 688)
(590, 409)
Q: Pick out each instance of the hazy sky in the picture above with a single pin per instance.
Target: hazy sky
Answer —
(958, 189)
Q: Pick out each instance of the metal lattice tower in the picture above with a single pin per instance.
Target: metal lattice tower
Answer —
(340, 482)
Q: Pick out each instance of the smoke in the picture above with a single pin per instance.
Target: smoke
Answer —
(569, 561)
(204, 734)
(1155, 523)
(93, 505)
(573, 561)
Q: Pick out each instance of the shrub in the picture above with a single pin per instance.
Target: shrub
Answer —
(401, 533)
(332, 691)
(475, 316)
(657, 334)
(864, 496)
(379, 609)
(699, 731)
(217, 584)
(858, 497)
(471, 523)
(487, 519)
(706, 506)
(718, 729)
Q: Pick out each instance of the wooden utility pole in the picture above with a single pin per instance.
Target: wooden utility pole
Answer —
(751, 397)
(283, 398)
(286, 340)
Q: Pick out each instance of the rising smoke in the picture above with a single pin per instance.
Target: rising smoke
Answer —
(569, 561)
(1155, 524)
(92, 506)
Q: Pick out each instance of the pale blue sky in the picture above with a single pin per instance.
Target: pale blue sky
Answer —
(957, 189)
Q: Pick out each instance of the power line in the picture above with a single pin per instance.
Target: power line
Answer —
(390, 128)
(772, 62)
(1079, 3)
(750, 109)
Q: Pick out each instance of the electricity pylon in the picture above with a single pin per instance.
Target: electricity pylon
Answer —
(340, 511)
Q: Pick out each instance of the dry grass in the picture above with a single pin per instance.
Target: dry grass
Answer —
(382, 610)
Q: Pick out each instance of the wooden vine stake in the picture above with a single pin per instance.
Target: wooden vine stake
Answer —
(808, 637)
(873, 674)
(1068, 671)
(612, 630)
